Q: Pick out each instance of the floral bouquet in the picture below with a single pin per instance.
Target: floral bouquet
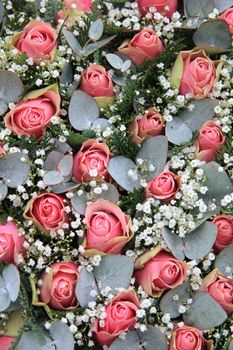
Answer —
(116, 175)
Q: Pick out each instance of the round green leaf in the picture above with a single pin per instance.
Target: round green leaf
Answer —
(52, 160)
(4, 296)
(11, 279)
(86, 284)
(53, 177)
(101, 123)
(72, 41)
(29, 341)
(79, 202)
(178, 132)
(64, 187)
(174, 243)
(222, 5)
(67, 75)
(62, 336)
(9, 163)
(198, 8)
(3, 190)
(65, 165)
(115, 60)
(96, 29)
(11, 89)
(224, 261)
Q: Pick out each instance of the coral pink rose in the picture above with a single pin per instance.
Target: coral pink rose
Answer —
(225, 231)
(157, 271)
(144, 45)
(5, 342)
(47, 211)
(97, 82)
(220, 289)
(91, 161)
(74, 10)
(195, 73)
(164, 186)
(38, 40)
(147, 125)
(120, 317)
(11, 243)
(227, 17)
(33, 115)
(58, 286)
(166, 7)
(189, 338)
(108, 228)
(210, 140)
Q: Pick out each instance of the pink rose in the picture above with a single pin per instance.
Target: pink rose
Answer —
(195, 73)
(164, 186)
(11, 243)
(120, 317)
(227, 17)
(33, 115)
(83, 5)
(58, 286)
(157, 271)
(189, 338)
(38, 40)
(210, 140)
(144, 45)
(225, 231)
(147, 125)
(5, 342)
(166, 7)
(220, 289)
(74, 10)
(97, 82)
(108, 228)
(91, 161)
(47, 211)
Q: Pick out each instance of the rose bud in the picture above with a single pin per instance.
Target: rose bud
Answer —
(58, 286)
(108, 228)
(91, 161)
(47, 211)
(227, 17)
(225, 232)
(38, 40)
(195, 73)
(210, 140)
(144, 45)
(147, 125)
(120, 317)
(166, 7)
(164, 186)
(74, 10)
(189, 338)
(32, 115)
(11, 243)
(157, 271)
(5, 342)
(220, 289)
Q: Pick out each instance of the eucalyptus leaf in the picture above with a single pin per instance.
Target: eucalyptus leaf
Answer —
(115, 60)
(53, 177)
(127, 64)
(11, 279)
(79, 202)
(213, 36)
(101, 123)
(3, 190)
(198, 8)
(178, 132)
(67, 75)
(174, 243)
(204, 312)
(90, 48)
(64, 187)
(83, 111)
(111, 194)
(52, 160)
(9, 163)
(154, 151)
(222, 5)
(86, 284)
(65, 165)
(11, 89)
(62, 147)
(119, 168)
(96, 29)
(1, 12)
(224, 261)
(73, 42)
(170, 305)
(4, 296)
(29, 341)
(61, 335)
(231, 345)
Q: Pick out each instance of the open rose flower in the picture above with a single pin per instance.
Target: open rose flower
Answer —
(91, 161)
(157, 271)
(58, 286)
(164, 186)
(108, 228)
(166, 7)
(189, 338)
(38, 40)
(5, 342)
(210, 140)
(227, 17)
(120, 317)
(11, 243)
(225, 231)
(47, 210)
(74, 10)
(32, 115)
(195, 73)
(220, 289)
(144, 45)
(147, 125)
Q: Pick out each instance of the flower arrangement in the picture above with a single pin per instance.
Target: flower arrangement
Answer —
(116, 175)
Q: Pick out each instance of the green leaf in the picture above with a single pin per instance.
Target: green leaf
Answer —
(76, 139)
(1, 12)
(96, 30)
(4, 296)
(62, 336)
(83, 110)
(86, 284)
(204, 312)
(11, 279)
(174, 243)
(52, 160)
(53, 177)
(178, 132)
(73, 42)
(198, 8)
(65, 165)
(79, 202)
(222, 5)
(213, 36)
(115, 60)
(90, 48)
(152, 339)
(101, 123)
(11, 89)
(64, 187)
(67, 75)
(29, 341)
(231, 345)
(3, 190)
(224, 260)
(9, 163)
